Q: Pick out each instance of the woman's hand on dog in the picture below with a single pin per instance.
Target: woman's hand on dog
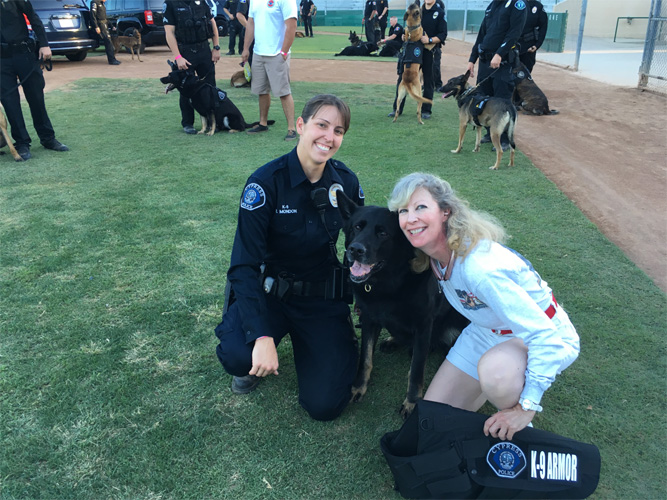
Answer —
(264, 357)
(506, 423)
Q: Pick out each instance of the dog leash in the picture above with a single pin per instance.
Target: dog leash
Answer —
(470, 90)
(43, 64)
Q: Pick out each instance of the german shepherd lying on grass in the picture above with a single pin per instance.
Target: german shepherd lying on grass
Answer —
(389, 294)
(216, 109)
(411, 79)
(482, 111)
(528, 95)
(131, 43)
(357, 47)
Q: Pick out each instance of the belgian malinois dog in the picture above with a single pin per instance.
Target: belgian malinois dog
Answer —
(411, 81)
(131, 43)
(482, 111)
(4, 137)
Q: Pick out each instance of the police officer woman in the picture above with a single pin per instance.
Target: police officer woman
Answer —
(496, 41)
(284, 276)
(188, 24)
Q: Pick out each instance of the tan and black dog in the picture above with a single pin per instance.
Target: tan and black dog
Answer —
(4, 137)
(482, 111)
(131, 43)
(528, 95)
(411, 80)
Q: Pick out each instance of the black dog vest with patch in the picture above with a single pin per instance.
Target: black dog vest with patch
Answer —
(413, 53)
(442, 452)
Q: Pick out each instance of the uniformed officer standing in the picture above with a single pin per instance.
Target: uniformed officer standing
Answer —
(99, 14)
(188, 24)
(434, 28)
(435, 32)
(305, 9)
(284, 275)
(383, 11)
(534, 33)
(19, 60)
(370, 13)
(496, 42)
(235, 27)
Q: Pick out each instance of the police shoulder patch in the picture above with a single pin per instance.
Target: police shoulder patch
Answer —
(506, 460)
(435, 14)
(253, 197)
(520, 5)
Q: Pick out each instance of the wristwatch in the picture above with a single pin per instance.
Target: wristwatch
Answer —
(216, 47)
(528, 405)
(430, 40)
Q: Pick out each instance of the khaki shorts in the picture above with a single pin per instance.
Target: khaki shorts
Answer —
(270, 73)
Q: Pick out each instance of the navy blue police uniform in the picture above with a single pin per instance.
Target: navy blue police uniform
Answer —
(306, 6)
(235, 27)
(437, 54)
(434, 25)
(534, 32)
(192, 22)
(393, 46)
(98, 14)
(282, 281)
(498, 34)
(18, 54)
(369, 20)
(382, 21)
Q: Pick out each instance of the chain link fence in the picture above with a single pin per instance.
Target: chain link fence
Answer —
(653, 70)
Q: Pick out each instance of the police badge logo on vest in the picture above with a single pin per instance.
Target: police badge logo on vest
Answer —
(253, 197)
(506, 460)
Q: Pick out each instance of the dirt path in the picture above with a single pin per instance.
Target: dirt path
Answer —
(605, 150)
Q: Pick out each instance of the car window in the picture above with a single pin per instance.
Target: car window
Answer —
(134, 5)
(155, 4)
(57, 4)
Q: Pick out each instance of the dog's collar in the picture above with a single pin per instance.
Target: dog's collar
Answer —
(412, 28)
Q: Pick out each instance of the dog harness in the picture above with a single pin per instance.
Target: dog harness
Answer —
(413, 52)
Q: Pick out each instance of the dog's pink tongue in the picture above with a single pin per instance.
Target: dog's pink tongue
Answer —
(359, 269)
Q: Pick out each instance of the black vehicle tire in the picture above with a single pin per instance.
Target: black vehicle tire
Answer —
(130, 32)
(77, 56)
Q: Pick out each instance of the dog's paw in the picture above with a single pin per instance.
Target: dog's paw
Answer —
(455, 151)
(493, 167)
(389, 345)
(358, 393)
(406, 409)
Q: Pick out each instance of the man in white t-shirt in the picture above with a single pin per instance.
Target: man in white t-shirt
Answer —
(272, 25)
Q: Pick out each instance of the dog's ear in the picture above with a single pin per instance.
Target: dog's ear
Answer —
(467, 75)
(345, 204)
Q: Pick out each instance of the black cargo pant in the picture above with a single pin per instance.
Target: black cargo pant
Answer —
(25, 66)
(323, 342)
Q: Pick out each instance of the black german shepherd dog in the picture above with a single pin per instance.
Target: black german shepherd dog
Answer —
(388, 294)
(357, 47)
(217, 110)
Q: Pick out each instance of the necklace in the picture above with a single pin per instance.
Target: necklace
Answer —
(435, 266)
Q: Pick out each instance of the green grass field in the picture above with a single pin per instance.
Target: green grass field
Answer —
(112, 271)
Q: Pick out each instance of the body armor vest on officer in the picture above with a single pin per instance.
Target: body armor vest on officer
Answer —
(192, 22)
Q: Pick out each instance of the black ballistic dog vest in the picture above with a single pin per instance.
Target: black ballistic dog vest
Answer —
(442, 452)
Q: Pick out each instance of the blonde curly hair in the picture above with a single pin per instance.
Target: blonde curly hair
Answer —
(465, 227)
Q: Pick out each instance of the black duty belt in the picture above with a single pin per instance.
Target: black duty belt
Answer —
(194, 47)
(25, 47)
(284, 286)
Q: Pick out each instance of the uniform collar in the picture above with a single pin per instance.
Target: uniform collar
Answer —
(297, 175)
